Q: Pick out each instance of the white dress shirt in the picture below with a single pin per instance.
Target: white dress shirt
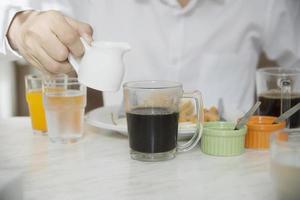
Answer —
(209, 45)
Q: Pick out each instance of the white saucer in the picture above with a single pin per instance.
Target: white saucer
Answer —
(102, 118)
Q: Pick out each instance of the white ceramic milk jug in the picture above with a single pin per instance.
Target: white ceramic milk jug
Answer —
(101, 67)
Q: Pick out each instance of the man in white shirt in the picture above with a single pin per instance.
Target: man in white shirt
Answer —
(209, 45)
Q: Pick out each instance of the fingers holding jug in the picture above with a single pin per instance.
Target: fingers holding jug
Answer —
(45, 39)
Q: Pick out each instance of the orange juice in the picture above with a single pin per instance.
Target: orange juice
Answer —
(36, 109)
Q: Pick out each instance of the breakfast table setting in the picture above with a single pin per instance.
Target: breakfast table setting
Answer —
(160, 143)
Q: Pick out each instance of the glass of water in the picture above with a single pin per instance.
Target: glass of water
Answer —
(64, 101)
(285, 163)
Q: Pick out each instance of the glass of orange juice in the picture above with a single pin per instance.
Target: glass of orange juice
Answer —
(34, 98)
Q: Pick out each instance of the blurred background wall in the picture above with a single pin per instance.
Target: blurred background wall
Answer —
(8, 104)
(12, 88)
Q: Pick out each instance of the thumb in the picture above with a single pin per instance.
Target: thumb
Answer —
(84, 29)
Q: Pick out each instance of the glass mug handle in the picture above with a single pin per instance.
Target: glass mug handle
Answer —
(285, 95)
(196, 95)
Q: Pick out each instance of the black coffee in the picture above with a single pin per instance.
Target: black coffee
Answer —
(271, 103)
(152, 130)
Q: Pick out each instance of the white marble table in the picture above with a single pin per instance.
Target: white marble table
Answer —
(99, 167)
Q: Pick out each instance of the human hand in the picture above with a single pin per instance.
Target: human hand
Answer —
(45, 39)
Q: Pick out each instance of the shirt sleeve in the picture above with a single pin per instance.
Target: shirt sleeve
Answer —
(282, 32)
(9, 8)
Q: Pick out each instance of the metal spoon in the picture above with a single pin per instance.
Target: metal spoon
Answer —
(246, 117)
(221, 109)
(287, 114)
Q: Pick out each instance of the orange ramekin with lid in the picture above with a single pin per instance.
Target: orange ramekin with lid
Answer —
(259, 131)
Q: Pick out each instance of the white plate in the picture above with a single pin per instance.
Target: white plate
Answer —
(102, 118)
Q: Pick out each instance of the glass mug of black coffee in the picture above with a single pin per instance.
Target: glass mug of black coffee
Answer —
(278, 89)
(152, 111)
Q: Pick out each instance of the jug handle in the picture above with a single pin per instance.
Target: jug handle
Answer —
(75, 62)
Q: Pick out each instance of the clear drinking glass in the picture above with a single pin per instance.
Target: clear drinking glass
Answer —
(33, 85)
(152, 110)
(64, 101)
(285, 163)
(278, 89)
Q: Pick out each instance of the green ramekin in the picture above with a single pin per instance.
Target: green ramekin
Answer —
(219, 139)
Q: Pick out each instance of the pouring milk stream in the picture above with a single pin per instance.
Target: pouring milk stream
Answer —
(101, 67)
